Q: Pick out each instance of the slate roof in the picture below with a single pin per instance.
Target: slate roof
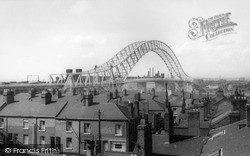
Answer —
(235, 141)
(223, 110)
(110, 111)
(22, 106)
(189, 147)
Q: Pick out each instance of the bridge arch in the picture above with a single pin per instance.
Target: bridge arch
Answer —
(120, 65)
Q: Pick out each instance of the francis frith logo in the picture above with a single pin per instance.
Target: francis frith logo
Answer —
(210, 28)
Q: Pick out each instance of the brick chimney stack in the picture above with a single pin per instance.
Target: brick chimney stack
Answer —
(145, 107)
(168, 118)
(8, 96)
(116, 94)
(109, 96)
(125, 92)
(87, 100)
(234, 116)
(183, 102)
(131, 110)
(205, 102)
(32, 92)
(58, 93)
(46, 97)
(137, 96)
(137, 109)
(194, 122)
(153, 93)
(248, 115)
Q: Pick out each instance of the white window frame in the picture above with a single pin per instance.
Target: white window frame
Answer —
(2, 122)
(116, 128)
(27, 122)
(42, 141)
(25, 135)
(69, 147)
(70, 128)
(41, 126)
(85, 131)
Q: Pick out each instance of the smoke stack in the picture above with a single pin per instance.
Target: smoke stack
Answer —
(8, 96)
(46, 97)
(248, 115)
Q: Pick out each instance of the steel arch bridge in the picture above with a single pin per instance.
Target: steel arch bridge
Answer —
(117, 69)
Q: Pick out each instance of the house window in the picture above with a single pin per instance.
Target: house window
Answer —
(86, 128)
(68, 143)
(10, 137)
(118, 146)
(25, 139)
(42, 140)
(105, 145)
(1, 122)
(118, 130)
(15, 136)
(42, 126)
(25, 124)
(1, 138)
(85, 146)
(68, 126)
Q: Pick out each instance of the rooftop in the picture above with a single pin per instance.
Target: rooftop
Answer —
(189, 147)
(110, 111)
(232, 140)
(23, 106)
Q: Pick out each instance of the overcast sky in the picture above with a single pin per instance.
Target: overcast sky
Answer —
(42, 37)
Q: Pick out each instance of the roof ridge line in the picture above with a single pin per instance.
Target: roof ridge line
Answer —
(227, 125)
